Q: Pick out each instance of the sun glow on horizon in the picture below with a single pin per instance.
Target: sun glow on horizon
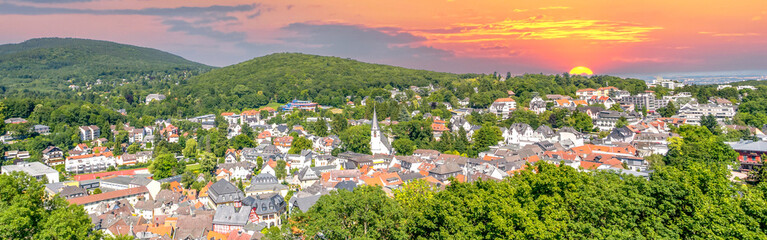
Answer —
(581, 70)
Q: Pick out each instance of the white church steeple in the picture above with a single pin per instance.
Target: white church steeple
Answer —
(379, 144)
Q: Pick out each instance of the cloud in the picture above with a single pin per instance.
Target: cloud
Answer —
(643, 59)
(252, 16)
(715, 34)
(359, 42)
(519, 10)
(207, 31)
(537, 28)
(209, 11)
(554, 8)
(53, 1)
(190, 20)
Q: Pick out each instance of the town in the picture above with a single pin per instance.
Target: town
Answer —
(240, 174)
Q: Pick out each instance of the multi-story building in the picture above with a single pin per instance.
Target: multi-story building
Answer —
(693, 112)
(89, 163)
(300, 105)
(89, 133)
(750, 153)
(53, 156)
(606, 120)
(647, 100)
(503, 107)
(225, 193)
(537, 105)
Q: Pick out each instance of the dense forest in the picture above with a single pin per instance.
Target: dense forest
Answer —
(48, 64)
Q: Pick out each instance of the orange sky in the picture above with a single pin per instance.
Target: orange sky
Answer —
(611, 37)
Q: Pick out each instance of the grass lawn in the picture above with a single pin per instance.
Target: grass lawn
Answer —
(193, 167)
(275, 105)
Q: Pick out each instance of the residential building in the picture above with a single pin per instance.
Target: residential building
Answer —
(89, 163)
(750, 153)
(265, 183)
(53, 156)
(502, 107)
(230, 218)
(666, 83)
(537, 105)
(225, 193)
(154, 97)
(585, 93)
(267, 208)
(445, 171)
(647, 100)
(693, 112)
(606, 120)
(89, 133)
(16, 154)
(41, 129)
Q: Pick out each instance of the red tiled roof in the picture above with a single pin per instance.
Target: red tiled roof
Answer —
(108, 195)
(563, 102)
(92, 176)
(106, 154)
(505, 100)
(438, 127)
(590, 165)
(250, 113)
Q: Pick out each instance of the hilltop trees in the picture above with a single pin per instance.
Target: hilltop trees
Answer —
(365, 213)
(25, 212)
(356, 139)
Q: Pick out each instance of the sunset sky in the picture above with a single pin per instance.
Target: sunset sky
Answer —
(608, 36)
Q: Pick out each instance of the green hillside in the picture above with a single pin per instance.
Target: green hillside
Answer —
(285, 76)
(55, 63)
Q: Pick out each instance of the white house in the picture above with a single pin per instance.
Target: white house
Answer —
(503, 107)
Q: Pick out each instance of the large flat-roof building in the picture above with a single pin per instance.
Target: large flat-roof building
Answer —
(34, 169)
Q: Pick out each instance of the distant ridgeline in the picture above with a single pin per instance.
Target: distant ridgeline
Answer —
(283, 77)
(47, 64)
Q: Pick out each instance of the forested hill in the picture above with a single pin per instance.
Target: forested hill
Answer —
(286, 76)
(283, 77)
(55, 63)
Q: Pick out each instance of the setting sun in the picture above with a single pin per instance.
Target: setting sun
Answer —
(581, 70)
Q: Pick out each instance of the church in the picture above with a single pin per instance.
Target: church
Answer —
(379, 144)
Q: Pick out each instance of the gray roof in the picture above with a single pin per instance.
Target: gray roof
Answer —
(225, 189)
(122, 180)
(31, 168)
(570, 130)
(749, 146)
(348, 185)
(520, 127)
(304, 203)
(140, 181)
(176, 178)
(228, 215)
(446, 169)
(545, 131)
(407, 177)
(72, 190)
(266, 203)
(265, 181)
(51, 149)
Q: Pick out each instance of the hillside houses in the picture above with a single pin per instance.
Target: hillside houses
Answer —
(503, 107)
